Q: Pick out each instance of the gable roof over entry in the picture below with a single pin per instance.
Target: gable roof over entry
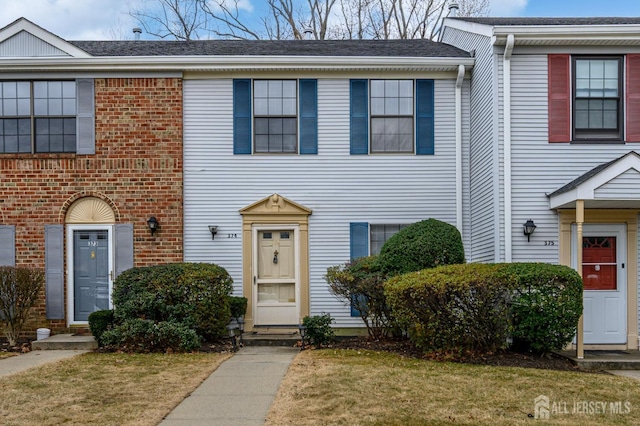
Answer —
(612, 185)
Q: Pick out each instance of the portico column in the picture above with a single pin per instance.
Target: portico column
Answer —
(579, 223)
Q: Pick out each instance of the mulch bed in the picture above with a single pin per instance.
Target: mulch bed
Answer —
(23, 346)
(400, 347)
(503, 359)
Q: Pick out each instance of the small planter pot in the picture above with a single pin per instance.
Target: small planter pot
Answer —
(43, 333)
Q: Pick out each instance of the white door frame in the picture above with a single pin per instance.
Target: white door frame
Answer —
(70, 266)
(619, 230)
(254, 247)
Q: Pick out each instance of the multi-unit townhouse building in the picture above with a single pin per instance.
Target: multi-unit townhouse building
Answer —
(278, 159)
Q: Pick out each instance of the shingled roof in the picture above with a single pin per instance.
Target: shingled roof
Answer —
(380, 48)
(553, 21)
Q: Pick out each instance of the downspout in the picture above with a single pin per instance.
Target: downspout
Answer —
(506, 93)
(458, 126)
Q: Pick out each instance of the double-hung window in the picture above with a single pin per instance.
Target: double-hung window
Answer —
(38, 116)
(379, 234)
(593, 99)
(597, 102)
(275, 116)
(392, 116)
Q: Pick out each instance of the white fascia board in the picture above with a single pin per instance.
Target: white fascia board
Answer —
(44, 35)
(471, 27)
(226, 63)
(567, 33)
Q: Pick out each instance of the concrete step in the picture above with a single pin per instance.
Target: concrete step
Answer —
(271, 339)
(66, 342)
(605, 359)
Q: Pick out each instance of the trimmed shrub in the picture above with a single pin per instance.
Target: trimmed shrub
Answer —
(360, 283)
(237, 306)
(99, 322)
(140, 335)
(19, 288)
(547, 304)
(453, 308)
(319, 331)
(424, 244)
(193, 294)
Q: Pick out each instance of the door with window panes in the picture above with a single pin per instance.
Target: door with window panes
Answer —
(604, 276)
(275, 277)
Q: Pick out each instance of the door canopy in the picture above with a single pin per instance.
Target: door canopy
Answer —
(612, 185)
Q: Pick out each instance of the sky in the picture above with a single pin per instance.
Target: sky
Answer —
(109, 19)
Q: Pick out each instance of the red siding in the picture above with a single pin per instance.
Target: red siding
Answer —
(633, 98)
(559, 99)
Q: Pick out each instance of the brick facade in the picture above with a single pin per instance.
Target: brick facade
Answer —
(136, 169)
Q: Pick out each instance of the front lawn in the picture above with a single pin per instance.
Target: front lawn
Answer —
(359, 387)
(105, 389)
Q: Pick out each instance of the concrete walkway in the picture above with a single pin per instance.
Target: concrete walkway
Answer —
(22, 362)
(239, 392)
(634, 374)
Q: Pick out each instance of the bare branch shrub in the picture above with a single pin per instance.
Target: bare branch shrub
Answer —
(19, 288)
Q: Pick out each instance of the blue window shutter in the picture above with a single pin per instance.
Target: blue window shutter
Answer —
(242, 116)
(308, 116)
(85, 120)
(424, 117)
(359, 237)
(359, 240)
(359, 117)
(7, 245)
(124, 247)
(54, 270)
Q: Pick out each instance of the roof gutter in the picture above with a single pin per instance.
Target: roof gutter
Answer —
(506, 93)
(230, 63)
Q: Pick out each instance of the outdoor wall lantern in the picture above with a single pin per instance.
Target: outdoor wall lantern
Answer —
(529, 227)
(153, 224)
(303, 334)
(214, 231)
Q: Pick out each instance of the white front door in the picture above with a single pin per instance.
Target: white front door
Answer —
(604, 258)
(276, 287)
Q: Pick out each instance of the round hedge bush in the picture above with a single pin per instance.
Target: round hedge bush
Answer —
(195, 295)
(425, 244)
(546, 304)
(458, 308)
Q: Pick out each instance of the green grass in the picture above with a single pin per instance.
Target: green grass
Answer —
(346, 387)
(105, 389)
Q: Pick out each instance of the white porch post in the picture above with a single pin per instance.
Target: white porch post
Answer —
(579, 223)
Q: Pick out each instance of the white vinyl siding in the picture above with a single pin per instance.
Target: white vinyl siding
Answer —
(340, 188)
(26, 45)
(540, 167)
(626, 186)
(480, 174)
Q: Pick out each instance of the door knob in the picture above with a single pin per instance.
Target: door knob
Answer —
(275, 256)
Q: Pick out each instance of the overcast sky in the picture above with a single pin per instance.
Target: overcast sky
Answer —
(109, 19)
